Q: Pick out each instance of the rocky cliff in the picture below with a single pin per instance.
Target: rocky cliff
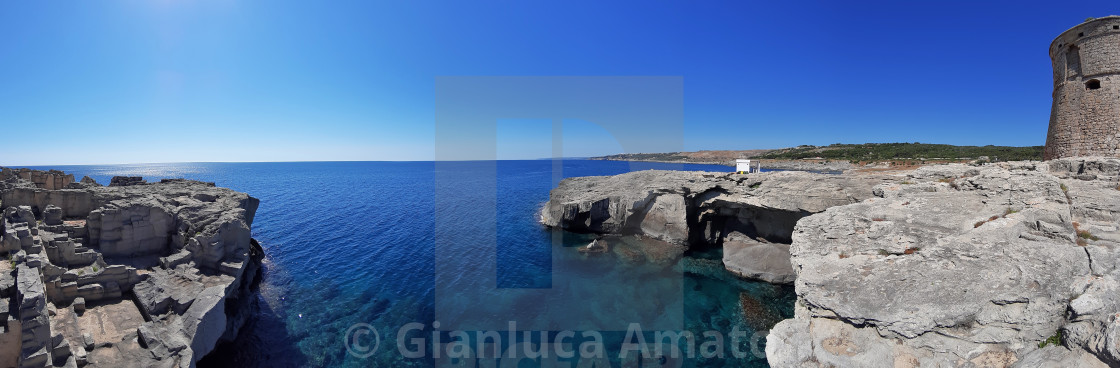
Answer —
(134, 274)
(997, 265)
(1001, 265)
(752, 216)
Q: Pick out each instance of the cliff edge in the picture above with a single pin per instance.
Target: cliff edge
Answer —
(751, 216)
(133, 274)
(1013, 264)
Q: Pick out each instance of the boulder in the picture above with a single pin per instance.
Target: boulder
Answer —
(205, 321)
(753, 259)
(52, 215)
(19, 214)
(79, 305)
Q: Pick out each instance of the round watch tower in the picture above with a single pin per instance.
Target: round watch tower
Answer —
(1085, 115)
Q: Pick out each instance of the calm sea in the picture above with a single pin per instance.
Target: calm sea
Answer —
(356, 242)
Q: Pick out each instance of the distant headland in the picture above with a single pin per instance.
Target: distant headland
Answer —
(839, 157)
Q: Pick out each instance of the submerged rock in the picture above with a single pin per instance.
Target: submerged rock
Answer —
(756, 314)
(598, 245)
(1011, 264)
(84, 253)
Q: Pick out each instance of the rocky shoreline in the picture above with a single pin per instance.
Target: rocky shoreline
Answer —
(752, 216)
(134, 274)
(996, 265)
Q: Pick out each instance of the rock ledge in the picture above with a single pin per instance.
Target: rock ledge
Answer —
(1001, 265)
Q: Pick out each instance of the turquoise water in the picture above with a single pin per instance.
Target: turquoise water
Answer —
(389, 243)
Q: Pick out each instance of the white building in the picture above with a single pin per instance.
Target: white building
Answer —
(743, 166)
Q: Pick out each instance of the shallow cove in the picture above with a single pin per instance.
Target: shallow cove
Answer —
(355, 242)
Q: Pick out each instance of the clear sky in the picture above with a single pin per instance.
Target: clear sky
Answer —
(171, 81)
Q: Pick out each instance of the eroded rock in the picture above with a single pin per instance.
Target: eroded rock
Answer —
(751, 216)
(180, 248)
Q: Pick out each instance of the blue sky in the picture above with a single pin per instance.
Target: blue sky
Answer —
(172, 81)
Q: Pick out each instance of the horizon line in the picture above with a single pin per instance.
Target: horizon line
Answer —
(297, 161)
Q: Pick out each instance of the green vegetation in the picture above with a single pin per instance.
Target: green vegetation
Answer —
(672, 156)
(1085, 234)
(1055, 340)
(906, 151)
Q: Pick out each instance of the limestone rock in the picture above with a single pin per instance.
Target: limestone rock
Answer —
(703, 208)
(205, 321)
(961, 265)
(7, 283)
(36, 333)
(52, 215)
(596, 246)
(182, 247)
(5, 310)
(51, 179)
(79, 305)
(758, 260)
(167, 291)
(124, 181)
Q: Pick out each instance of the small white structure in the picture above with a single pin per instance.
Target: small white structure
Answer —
(743, 166)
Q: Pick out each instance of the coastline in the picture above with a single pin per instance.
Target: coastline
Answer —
(767, 164)
(969, 279)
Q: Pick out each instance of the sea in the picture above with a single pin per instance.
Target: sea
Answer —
(386, 264)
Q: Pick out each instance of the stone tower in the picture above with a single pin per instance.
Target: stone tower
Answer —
(1085, 117)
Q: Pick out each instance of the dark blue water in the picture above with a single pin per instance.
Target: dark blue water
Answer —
(356, 242)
